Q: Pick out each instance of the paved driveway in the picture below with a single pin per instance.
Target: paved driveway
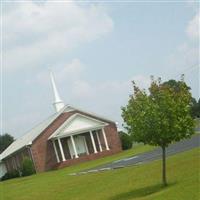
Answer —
(155, 154)
(178, 147)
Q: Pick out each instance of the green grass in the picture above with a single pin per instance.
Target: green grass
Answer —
(138, 182)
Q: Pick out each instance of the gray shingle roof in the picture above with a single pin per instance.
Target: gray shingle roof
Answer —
(29, 136)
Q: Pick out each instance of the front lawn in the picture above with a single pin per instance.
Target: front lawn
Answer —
(138, 182)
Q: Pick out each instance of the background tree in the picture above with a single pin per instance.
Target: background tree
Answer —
(126, 140)
(160, 116)
(176, 85)
(195, 106)
(5, 141)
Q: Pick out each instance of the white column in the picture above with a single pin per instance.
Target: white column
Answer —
(61, 150)
(105, 139)
(100, 147)
(93, 143)
(54, 146)
(74, 146)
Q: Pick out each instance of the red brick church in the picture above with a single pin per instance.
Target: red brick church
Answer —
(67, 137)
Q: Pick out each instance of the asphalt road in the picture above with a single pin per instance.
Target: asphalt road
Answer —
(156, 154)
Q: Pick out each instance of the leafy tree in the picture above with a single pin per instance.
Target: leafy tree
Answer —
(160, 116)
(126, 140)
(5, 141)
(176, 85)
(195, 106)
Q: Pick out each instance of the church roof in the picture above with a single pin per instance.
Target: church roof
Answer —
(28, 138)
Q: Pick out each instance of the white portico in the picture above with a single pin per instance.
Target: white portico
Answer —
(79, 135)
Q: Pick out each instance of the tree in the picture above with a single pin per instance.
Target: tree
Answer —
(176, 85)
(5, 141)
(160, 116)
(195, 106)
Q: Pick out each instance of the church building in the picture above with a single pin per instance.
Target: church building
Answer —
(67, 137)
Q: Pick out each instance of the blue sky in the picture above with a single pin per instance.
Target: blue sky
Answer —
(94, 50)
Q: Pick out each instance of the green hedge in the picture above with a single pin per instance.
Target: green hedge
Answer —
(126, 140)
(9, 175)
(27, 169)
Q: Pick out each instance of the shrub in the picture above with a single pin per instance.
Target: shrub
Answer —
(9, 175)
(126, 140)
(6, 176)
(15, 174)
(27, 167)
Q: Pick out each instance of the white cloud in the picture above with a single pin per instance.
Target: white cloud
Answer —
(186, 55)
(110, 91)
(82, 89)
(34, 34)
(100, 97)
(185, 58)
(71, 71)
(193, 27)
(105, 97)
(142, 81)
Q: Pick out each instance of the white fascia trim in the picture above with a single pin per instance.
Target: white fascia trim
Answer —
(70, 119)
(85, 116)
(93, 114)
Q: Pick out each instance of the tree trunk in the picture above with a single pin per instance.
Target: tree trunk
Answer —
(164, 166)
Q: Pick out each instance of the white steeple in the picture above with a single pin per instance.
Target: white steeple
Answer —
(58, 103)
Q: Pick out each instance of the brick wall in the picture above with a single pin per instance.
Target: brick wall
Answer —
(42, 149)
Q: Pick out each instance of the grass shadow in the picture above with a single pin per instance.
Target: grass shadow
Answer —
(141, 192)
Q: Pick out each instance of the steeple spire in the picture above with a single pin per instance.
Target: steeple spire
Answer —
(58, 103)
